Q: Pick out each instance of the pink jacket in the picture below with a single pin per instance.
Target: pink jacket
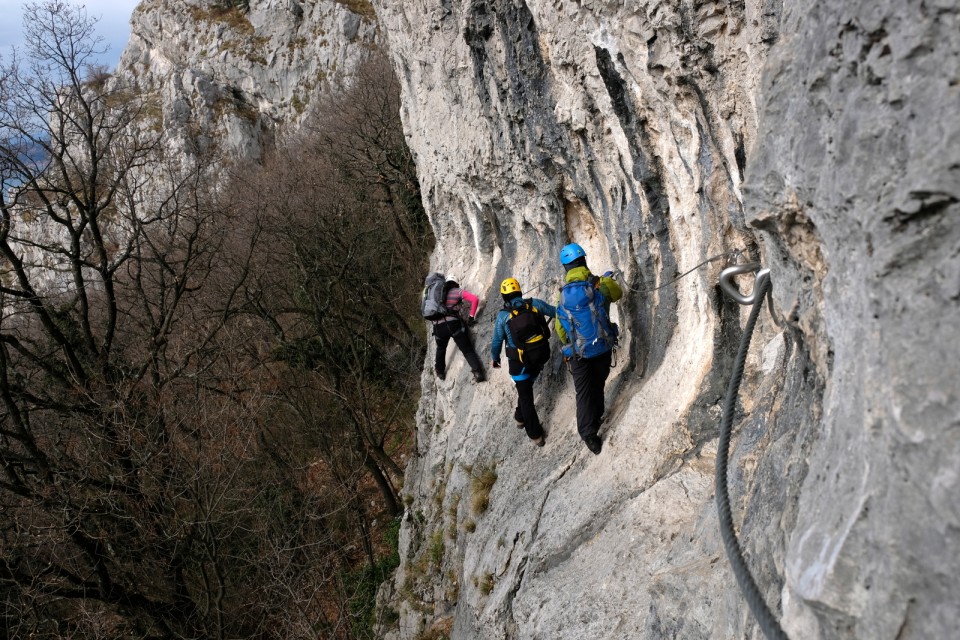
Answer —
(454, 297)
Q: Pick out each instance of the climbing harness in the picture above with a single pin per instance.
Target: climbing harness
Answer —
(748, 587)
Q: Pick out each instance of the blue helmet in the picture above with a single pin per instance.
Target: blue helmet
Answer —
(571, 252)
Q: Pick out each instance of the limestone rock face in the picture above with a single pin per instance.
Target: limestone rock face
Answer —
(822, 140)
(873, 173)
(229, 78)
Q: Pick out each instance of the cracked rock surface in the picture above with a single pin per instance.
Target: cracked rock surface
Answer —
(822, 140)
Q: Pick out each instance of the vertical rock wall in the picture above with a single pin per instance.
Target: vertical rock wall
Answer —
(821, 140)
(859, 154)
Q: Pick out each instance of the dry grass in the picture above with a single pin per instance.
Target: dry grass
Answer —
(437, 549)
(485, 583)
(439, 630)
(230, 15)
(481, 483)
(360, 7)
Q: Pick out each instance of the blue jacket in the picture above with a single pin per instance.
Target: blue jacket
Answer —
(500, 332)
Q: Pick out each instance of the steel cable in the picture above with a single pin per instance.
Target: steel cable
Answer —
(732, 252)
(768, 623)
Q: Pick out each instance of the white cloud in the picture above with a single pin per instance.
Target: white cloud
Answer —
(113, 24)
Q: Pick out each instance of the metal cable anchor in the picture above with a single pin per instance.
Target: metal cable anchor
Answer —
(730, 287)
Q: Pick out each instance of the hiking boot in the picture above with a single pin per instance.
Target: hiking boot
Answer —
(594, 444)
(520, 424)
(478, 376)
(539, 441)
(441, 373)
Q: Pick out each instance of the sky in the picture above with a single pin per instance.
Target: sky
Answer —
(113, 24)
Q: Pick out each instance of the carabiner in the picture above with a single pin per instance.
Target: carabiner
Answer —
(730, 288)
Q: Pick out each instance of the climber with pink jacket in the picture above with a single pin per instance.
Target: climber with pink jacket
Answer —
(443, 305)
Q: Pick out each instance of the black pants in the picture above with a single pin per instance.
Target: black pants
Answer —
(589, 378)
(526, 411)
(442, 332)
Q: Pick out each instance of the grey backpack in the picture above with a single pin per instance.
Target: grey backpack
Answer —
(433, 305)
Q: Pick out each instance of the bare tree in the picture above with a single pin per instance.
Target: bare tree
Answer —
(200, 393)
(111, 336)
(336, 283)
(348, 238)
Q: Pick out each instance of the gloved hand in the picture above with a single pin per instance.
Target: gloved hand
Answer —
(471, 321)
(496, 364)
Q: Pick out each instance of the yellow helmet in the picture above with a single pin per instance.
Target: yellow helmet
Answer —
(510, 285)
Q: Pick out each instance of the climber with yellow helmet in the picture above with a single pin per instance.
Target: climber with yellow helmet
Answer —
(522, 324)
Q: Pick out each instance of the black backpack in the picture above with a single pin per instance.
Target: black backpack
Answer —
(530, 333)
(433, 305)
